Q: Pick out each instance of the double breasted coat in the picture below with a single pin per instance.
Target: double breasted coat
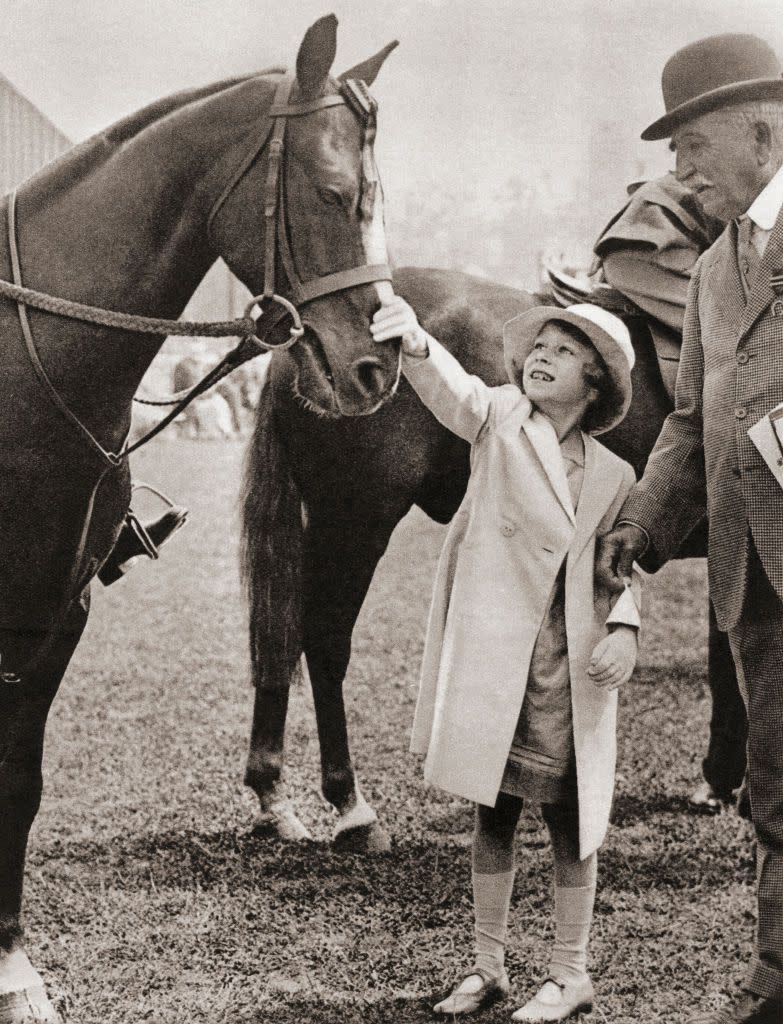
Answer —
(515, 527)
(731, 374)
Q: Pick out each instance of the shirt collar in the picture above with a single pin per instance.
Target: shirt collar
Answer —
(572, 447)
(764, 209)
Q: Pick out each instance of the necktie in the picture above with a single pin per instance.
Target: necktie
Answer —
(747, 253)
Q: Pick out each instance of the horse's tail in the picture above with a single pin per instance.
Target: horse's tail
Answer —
(272, 551)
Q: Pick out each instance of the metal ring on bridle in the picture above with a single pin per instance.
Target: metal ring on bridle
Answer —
(295, 332)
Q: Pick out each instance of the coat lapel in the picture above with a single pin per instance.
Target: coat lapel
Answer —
(762, 293)
(728, 290)
(543, 438)
(599, 489)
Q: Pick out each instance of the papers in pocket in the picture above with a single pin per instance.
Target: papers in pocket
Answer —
(767, 435)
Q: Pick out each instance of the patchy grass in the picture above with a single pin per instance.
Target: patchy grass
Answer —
(149, 898)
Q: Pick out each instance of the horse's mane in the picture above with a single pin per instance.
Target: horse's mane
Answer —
(77, 161)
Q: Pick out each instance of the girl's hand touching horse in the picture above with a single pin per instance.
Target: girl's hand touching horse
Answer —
(396, 319)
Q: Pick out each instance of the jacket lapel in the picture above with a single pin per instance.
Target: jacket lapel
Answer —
(599, 488)
(543, 438)
(761, 293)
(728, 290)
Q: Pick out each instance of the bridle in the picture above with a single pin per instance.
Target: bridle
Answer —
(252, 329)
(354, 94)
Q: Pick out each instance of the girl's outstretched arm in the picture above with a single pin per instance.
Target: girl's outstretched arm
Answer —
(462, 402)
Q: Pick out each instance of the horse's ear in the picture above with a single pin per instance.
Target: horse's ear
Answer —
(368, 70)
(316, 54)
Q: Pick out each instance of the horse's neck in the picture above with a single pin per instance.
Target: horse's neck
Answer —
(121, 223)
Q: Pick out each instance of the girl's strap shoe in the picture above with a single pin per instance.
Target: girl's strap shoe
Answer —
(492, 990)
(556, 1001)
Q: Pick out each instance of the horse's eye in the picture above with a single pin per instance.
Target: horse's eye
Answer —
(330, 196)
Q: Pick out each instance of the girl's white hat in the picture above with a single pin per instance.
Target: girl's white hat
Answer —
(605, 331)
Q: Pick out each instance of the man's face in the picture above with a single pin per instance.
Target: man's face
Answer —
(718, 158)
(554, 372)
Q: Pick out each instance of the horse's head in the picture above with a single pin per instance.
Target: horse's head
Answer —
(327, 219)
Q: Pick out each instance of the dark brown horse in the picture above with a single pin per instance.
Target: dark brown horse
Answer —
(132, 220)
(322, 497)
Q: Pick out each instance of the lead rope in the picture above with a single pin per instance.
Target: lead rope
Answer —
(111, 458)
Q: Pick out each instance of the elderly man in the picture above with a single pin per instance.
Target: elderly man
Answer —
(724, 113)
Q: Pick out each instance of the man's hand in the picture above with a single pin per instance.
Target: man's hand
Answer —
(396, 319)
(615, 554)
(614, 658)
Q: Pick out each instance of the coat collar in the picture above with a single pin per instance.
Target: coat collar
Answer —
(729, 291)
(761, 293)
(543, 438)
(602, 477)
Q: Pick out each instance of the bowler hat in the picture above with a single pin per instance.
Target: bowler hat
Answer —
(606, 333)
(712, 73)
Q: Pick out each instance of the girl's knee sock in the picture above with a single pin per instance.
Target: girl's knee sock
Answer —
(491, 902)
(573, 917)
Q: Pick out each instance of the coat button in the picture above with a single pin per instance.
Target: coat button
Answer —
(742, 358)
(777, 307)
(740, 412)
(508, 529)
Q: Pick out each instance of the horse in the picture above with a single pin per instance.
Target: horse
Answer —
(275, 173)
(321, 499)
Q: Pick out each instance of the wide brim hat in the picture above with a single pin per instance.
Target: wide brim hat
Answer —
(713, 73)
(607, 334)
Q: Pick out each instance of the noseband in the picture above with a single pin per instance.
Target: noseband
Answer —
(355, 95)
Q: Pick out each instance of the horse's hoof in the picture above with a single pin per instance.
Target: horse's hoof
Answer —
(28, 1006)
(370, 838)
(282, 821)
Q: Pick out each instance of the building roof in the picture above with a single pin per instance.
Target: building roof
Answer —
(7, 85)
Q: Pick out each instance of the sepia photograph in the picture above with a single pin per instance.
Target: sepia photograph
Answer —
(391, 493)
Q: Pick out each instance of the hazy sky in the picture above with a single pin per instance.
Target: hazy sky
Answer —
(477, 91)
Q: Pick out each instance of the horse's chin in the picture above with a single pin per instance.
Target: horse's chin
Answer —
(327, 404)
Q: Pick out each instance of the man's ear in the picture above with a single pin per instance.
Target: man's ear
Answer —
(762, 136)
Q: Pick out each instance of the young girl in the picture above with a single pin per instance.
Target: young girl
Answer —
(523, 655)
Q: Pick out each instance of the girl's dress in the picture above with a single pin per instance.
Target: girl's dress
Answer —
(541, 763)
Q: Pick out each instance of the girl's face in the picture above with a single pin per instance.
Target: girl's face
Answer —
(554, 373)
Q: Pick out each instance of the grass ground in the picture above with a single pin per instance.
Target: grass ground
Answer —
(150, 899)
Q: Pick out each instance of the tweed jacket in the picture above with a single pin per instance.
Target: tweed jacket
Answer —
(731, 374)
(505, 546)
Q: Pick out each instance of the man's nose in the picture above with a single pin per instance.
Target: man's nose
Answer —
(683, 168)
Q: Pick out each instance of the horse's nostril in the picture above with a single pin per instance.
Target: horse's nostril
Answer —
(371, 374)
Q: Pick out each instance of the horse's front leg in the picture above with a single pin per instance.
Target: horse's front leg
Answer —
(24, 706)
(341, 559)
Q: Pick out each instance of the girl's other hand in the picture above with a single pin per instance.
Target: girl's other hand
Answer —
(396, 319)
(614, 658)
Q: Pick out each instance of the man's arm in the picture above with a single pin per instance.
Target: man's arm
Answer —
(671, 497)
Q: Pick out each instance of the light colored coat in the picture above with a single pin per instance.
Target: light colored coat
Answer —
(505, 546)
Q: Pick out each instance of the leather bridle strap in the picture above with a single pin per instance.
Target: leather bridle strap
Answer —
(272, 189)
(306, 291)
(276, 228)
